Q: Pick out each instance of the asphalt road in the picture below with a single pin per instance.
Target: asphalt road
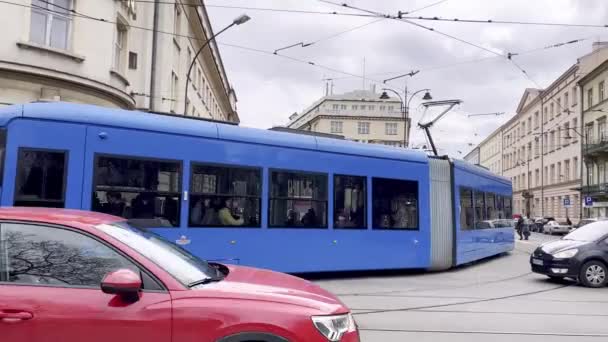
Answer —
(496, 300)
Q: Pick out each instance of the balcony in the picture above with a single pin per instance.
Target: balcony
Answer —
(596, 146)
(595, 189)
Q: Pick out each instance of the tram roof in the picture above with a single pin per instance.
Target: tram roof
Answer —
(476, 169)
(95, 115)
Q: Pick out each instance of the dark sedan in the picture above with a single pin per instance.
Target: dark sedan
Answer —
(582, 255)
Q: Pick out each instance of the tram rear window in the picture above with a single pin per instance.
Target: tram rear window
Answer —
(40, 178)
(395, 203)
(223, 196)
(297, 200)
(138, 188)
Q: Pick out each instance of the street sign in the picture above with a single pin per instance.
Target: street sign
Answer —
(567, 203)
(588, 201)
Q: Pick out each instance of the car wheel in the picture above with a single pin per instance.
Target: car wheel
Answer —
(593, 274)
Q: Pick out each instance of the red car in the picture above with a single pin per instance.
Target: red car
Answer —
(72, 276)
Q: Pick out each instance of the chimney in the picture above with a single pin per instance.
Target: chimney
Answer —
(599, 45)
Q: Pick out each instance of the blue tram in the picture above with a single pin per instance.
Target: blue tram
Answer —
(276, 200)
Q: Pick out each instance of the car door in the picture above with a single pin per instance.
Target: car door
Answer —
(50, 290)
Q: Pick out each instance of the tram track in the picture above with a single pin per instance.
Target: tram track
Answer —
(484, 332)
(484, 300)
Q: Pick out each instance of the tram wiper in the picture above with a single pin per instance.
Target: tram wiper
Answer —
(205, 281)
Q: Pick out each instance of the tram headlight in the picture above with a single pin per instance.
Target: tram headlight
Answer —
(334, 327)
(567, 254)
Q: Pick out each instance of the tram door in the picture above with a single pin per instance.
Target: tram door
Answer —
(43, 164)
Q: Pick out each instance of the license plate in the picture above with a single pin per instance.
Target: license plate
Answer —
(537, 262)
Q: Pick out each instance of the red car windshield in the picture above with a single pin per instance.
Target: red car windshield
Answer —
(180, 263)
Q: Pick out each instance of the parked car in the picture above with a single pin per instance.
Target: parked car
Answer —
(540, 222)
(586, 221)
(581, 255)
(71, 275)
(553, 227)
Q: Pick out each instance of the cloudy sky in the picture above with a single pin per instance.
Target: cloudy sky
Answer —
(271, 87)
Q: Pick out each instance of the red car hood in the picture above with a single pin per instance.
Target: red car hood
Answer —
(259, 284)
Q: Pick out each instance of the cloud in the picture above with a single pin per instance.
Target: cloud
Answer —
(270, 88)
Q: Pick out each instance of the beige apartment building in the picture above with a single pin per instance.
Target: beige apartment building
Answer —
(541, 145)
(137, 58)
(595, 149)
(490, 152)
(359, 115)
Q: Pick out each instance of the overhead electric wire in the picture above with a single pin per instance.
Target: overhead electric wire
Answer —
(425, 7)
(504, 22)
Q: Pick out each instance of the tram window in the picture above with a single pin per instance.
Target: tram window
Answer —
(40, 178)
(138, 189)
(223, 196)
(467, 217)
(508, 207)
(2, 153)
(350, 197)
(500, 207)
(491, 206)
(480, 212)
(395, 203)
(298, 200)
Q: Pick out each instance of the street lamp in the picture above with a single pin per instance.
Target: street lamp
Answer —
(237, 21)
(405, 106)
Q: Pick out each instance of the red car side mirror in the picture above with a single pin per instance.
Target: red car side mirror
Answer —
(124, 283)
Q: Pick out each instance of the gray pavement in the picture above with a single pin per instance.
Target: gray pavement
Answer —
(498, 300)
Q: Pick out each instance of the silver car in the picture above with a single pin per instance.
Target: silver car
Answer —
(553, 227)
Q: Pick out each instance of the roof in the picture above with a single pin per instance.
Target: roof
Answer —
(593, 74)
(357, 95)
(94, 115)
(67, 217)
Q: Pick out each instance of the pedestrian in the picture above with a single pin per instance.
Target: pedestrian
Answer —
(525, 230)
(568, 222)
(519, 226)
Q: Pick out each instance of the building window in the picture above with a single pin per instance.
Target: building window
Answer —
(574, 97)
(371, 107)
(589, 133)
(138, 189)
(537, 177)
(390, 109)
(566, 101)
(601, 130)
(41, 177)
(559, 107)
(395, 203)
(575, 167)
(355, 107)
(335, 107)
(574, 126)
(350, 197)
(529, 124)
(558, 141)
(177, 21)
(601, 91)
(298, 200)
(222, 196)
(50, 23)
(39, 255)
(523, 129)
(566, 170)
(552, 111)
(120, 47)
(363, 107)
(336, 126)
(552, 177)
(363, 127)
(132, 61)
(552, 141)
(382, 108)
(391, 128)
(590, 98)
(546, 116)
(343, 107)
(536, 120)
(174, 84)
(467, 217)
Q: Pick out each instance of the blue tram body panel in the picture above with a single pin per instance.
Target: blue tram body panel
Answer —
(85, 132)
(472, 245)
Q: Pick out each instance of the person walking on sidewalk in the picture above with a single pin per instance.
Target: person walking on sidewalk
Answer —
(525, 229)
(519, 227)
